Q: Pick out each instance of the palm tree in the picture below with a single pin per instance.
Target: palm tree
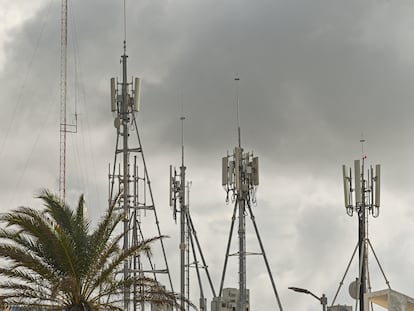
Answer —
(53, 260)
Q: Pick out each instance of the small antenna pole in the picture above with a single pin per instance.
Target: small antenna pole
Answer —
(179, 200)
(362, 141)
(183, 211)
(125, 26)
(182, 118)
(237, 79)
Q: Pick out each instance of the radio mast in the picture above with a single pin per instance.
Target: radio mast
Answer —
(64, 126)
(63, 86)
(366, 194)
(129, 177)
(180, 202)
(240, 179)
(361, 196)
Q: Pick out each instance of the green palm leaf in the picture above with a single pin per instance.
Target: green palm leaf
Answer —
(54, 259)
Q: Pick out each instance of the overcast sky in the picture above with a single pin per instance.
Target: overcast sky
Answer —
(315, 77)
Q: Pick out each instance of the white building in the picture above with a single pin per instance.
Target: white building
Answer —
(229, 300)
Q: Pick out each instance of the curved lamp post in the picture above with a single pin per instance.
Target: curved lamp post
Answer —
(323, 300)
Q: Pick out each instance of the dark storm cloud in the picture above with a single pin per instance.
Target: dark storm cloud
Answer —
(314, 76)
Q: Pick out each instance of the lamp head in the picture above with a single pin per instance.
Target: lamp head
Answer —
(299, 290)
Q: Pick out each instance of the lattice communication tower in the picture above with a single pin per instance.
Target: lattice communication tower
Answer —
(64, 127)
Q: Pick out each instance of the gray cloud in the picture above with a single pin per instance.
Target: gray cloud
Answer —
(314, 76)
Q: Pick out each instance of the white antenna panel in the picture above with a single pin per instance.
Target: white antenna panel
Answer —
(225, 171)
(137, 95)
(113, 95)
(346, 185)
(377, 184)
(231, 172)
(171, 186)
(237, 164)
(358, 196)
(256, 171)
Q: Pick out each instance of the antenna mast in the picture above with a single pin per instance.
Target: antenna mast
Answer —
(63, 86)
(240, 179)
(129, 177)
(179, 193)
(64, 126)
(363, 198)
(237, 79)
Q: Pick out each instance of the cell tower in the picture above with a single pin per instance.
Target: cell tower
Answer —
(129, 177)
(180, 202)
(362, 196)
(240, 179)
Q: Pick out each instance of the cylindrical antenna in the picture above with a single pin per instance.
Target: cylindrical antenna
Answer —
(237, 79)
(137, 94)
(346, 185)
(113, 95)
(358, 191)
(377, 185)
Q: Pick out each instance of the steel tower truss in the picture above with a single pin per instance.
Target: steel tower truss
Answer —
(63, 85)
(64, 127)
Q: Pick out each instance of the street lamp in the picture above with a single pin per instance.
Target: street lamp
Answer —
(323, 300)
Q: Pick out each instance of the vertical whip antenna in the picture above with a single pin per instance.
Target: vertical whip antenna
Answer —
(362, 141)
(182, 118)
(237, 79)
(125, 26)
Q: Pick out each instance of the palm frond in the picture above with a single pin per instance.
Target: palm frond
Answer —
(54, 260)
